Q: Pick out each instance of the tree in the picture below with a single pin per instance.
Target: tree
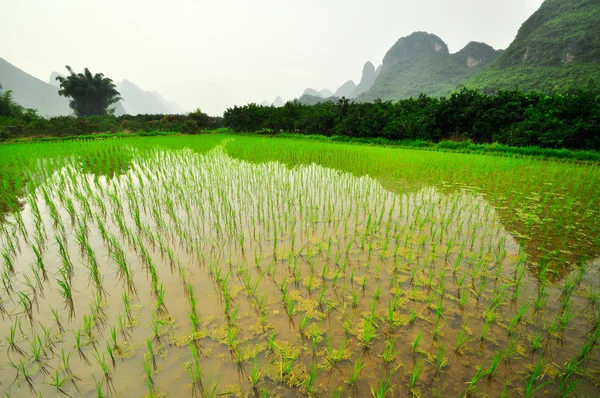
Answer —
(89, 94)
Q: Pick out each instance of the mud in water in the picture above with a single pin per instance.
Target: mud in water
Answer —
(206, 275)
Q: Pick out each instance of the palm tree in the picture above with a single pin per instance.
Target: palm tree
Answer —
(89, 94)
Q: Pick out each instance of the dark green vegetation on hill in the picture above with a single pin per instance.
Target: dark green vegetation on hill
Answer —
(421, 63)
(556, 49)
(510, 118)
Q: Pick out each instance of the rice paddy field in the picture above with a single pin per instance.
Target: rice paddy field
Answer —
(221, 265)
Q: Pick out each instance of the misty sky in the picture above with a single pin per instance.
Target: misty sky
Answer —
(213, 54)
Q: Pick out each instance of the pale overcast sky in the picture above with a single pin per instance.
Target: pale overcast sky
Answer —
(213, 54)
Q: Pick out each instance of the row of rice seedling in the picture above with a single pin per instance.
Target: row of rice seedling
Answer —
(260, 278)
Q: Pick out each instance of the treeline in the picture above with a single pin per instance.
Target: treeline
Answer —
(71, 126)
(509, 117)
(17, 121)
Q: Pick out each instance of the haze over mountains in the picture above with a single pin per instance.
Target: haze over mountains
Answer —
(32, 92)
(557, 48)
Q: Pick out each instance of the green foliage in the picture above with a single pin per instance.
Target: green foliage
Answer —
(509, 118)
(556, 49)
(68, 126)
(421, 63)
(10, 109)
(90, 94)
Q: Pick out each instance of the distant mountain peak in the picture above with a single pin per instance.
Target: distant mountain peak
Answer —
(369, 74)
(476, 53)
(421, 63)
(345, 90)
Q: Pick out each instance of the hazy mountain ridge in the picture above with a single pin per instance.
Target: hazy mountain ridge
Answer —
(138, 101)
(32, 92)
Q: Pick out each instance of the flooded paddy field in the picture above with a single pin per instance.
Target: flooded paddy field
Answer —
(245, 266)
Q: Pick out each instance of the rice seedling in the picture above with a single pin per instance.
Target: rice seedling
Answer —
(414, 376)
(530, 388)
(440, 360)
(415, 343)
(473, 382)
(104, 366)
(359, 364)
(517, 318)
(23, 371)
(255, 375)
(59, 382)
(79, 347)
(384, 386)
(304, 238)
(149, 378)
(11, 339)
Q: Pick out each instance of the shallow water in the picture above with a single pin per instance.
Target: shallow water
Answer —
(287, 265)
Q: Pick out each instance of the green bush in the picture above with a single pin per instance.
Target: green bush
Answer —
(507, 117)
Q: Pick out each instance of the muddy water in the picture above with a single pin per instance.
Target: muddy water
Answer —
(291, 270)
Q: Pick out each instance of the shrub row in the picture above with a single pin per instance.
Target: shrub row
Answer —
(63, 126)
(509, 117)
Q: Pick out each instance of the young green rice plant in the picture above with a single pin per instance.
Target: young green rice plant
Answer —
(192, 313)
(388, 353)
(57, 320)
(195, 372)
(354, 300)
(156, 330)
(567, 384)
(369, 331)
(359, 364)
(151, 354)
(58, 381)
(494, 365)
(530, 389)
(40, 261)
(438, 324)
(414, 376)
(11, 339)
(517, 319)
(440, 360)
(48, 338)
(79, 346)
(473, 383)
(105, 367)
(111, 353)
(65, 361)
(486, 328)
(536, 342)
(66, 293)
(38, 354)
(125, 334)
(255, 376)
(462, 339)
(210, 390)
(384, 386)
(149, 377)
(7, 281)
(310, 380)
(23, 371)
(160, 308)
(26, 303)
(415, 343)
